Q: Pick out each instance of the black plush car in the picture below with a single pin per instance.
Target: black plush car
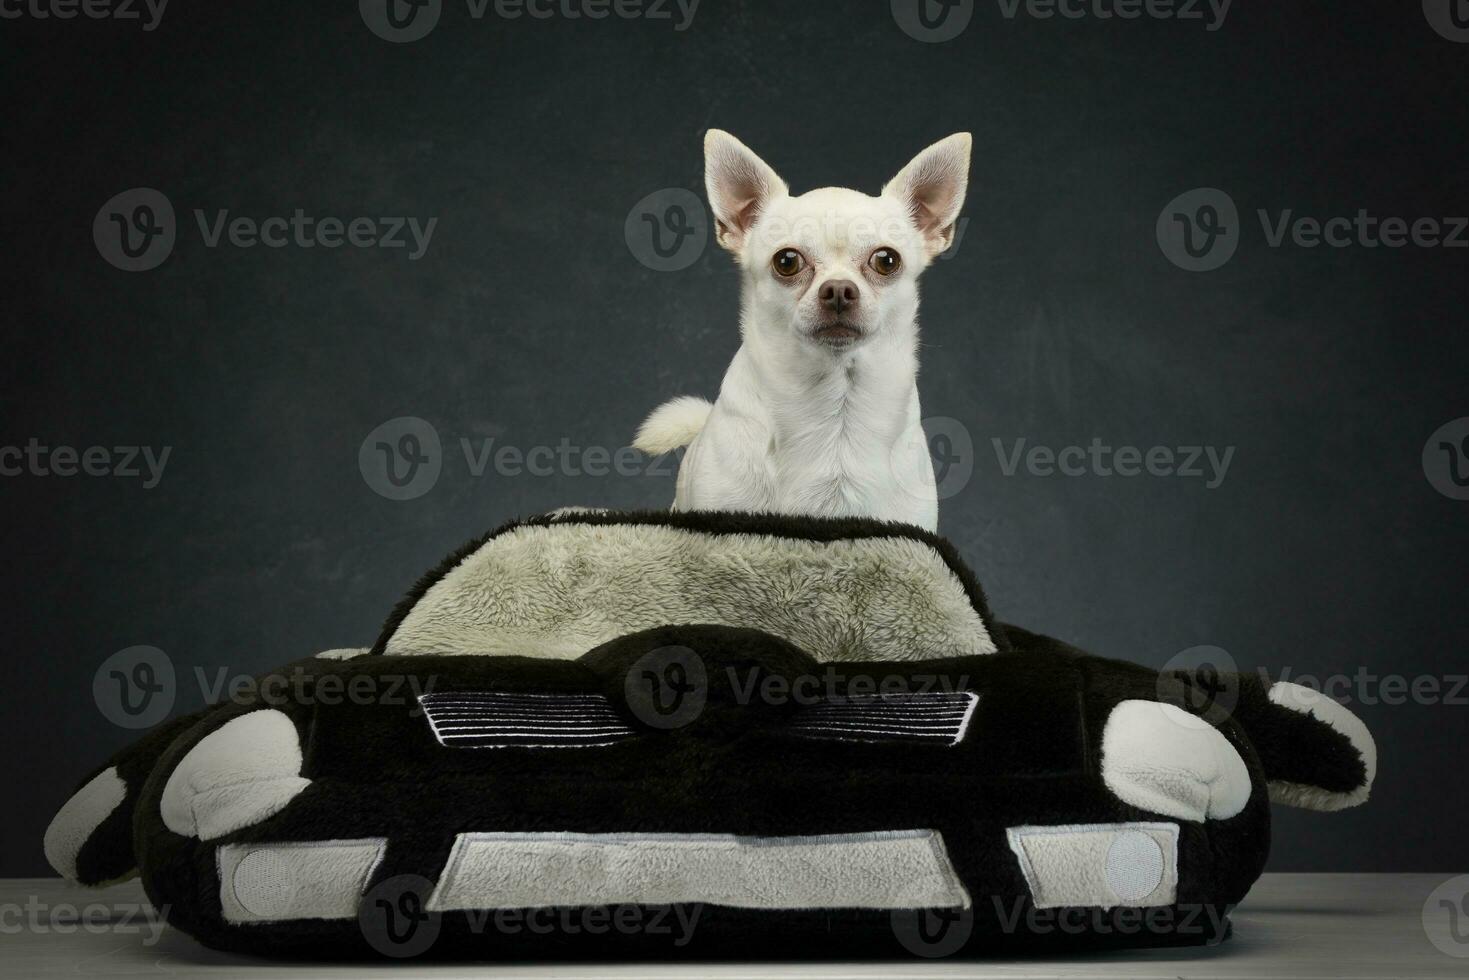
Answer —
(778, 737)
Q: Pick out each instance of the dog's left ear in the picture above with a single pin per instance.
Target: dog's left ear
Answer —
(932, 186)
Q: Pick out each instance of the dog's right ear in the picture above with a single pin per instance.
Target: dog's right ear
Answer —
(739, 184)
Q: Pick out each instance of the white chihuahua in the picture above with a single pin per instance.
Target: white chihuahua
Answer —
(818, 412)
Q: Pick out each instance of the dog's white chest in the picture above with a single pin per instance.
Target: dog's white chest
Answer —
(836, 450)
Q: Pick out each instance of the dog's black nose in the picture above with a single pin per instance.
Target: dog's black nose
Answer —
(838, 294)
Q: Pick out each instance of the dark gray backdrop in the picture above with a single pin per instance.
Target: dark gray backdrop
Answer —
(529, 320)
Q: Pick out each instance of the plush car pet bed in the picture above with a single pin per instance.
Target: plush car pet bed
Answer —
(709, 734)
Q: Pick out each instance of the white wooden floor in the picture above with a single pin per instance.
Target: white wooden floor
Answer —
(1291, 926)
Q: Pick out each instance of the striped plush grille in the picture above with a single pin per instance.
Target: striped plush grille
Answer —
(500, 720)
(940, 717)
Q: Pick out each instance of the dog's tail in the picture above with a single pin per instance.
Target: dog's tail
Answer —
(673, 424)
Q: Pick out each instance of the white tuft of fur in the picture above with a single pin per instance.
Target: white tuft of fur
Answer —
(673, 424)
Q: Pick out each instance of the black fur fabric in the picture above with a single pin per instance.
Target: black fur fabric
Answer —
(1030, 756)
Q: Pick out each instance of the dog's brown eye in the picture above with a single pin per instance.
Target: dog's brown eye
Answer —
(788, 262)
(885, 262)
